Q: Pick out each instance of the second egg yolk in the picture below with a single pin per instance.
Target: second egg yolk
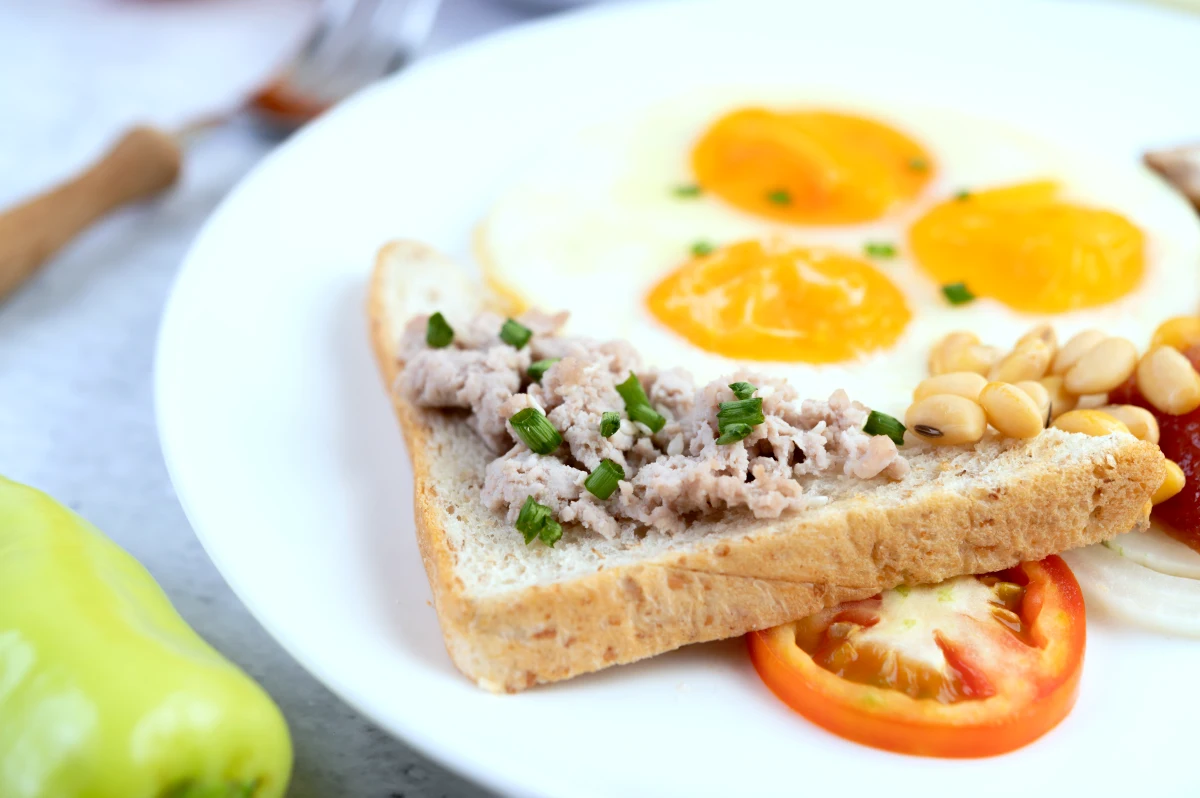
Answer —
(809, 167)
(1029, 249)
(756, 301)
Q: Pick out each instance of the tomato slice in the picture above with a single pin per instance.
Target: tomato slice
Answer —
(975, 666)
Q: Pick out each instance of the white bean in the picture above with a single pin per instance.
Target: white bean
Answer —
(1075, 348)
(1028, 361)
(1102, 368)
(946, 420)
(960, 383)
(1010, 410)
(1168, 381)
(1141, 422)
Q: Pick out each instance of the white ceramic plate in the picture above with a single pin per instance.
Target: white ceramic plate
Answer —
(283, 449)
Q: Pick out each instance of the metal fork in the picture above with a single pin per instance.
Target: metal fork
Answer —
(355, 42)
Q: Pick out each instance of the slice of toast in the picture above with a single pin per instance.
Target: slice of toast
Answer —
(514, 616)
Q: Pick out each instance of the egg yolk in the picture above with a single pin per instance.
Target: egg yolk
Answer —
(809, 167)
(1027, 248)
(756, 301)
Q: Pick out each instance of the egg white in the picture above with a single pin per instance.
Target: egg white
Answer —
(594, 224)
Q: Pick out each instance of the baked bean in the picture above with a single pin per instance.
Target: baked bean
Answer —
(961, 351)
(1028, 361)
(1179, 333)
(948, 349)
(1038, 393)
(1010, 410)
(960, 383)
(946, 420)
(1074, 349)
(981, 357)
(1091, 401)
(1172, 483)
(1141, 422)
(1089, 422)
(1043, 333)
(1168, 381)
(1102, 368)
(1061, 400)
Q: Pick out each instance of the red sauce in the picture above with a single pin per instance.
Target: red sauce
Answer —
(1127, 393)
(1179, 439)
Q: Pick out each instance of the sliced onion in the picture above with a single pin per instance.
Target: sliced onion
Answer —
(1135, 593)
(1158, 551)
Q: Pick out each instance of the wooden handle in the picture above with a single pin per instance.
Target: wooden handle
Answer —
(143, 163)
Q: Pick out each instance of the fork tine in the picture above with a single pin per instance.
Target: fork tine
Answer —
(377, 39)
(355, 43)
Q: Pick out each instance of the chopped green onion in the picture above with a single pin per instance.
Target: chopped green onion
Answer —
(962, 196)
(903, 590)
(880, 249)
(732, 433)
(535, 430)
(531, 519)
(883, 424)
(538, 367)
(610, 422)
(551, 532)
(534, 521)
(515, 334)
(632, 392)
(736, 420)
(957, 293)
(780, 197)
(702, 248)
(686, 191)
(647, 415)
(603, 481)
(742, 390)
(918, 164)
(637, 404)
(438, 332)
(743, 411)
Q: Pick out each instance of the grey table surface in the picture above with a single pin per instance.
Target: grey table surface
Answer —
(77, 420)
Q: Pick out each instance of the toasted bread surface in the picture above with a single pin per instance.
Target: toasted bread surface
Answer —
(515, 616)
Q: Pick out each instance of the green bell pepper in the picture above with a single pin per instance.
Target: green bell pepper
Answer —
(105, 692)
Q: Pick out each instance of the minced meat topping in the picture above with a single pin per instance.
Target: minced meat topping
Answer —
(671, 476)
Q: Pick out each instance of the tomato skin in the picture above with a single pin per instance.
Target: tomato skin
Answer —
(1027, 706)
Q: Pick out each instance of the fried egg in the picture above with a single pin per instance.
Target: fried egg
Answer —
(1027, 247)
(809, 166)
(812, 236)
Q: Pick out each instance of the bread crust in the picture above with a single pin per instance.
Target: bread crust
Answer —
(793, 567)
